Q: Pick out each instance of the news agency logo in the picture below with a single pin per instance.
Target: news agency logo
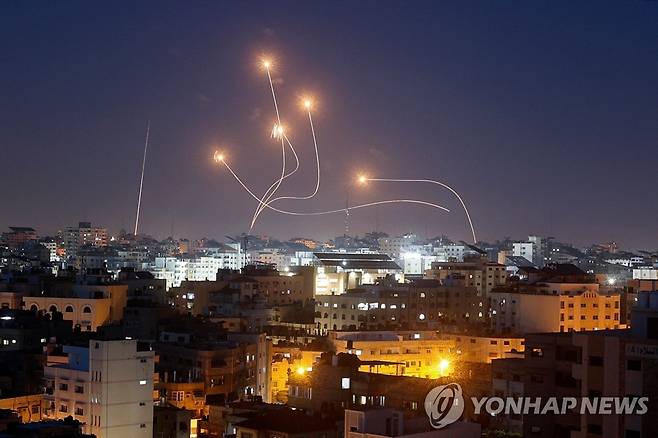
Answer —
(444, 405)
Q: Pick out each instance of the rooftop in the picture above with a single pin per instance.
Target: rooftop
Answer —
(356, 260)
(287, 421)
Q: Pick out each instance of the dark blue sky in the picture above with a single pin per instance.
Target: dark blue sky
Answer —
(542, 114)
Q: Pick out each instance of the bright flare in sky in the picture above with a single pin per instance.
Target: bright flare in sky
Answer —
(278, 132)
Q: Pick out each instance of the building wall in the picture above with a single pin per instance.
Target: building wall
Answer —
(533, 313)
(121, 389)
(28, 407)
(89, 313)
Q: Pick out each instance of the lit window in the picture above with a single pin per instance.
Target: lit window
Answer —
(345, 383)
(142, 382)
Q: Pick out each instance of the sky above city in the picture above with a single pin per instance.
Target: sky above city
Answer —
(542, 115)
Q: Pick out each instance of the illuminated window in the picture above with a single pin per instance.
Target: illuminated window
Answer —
(345, 383)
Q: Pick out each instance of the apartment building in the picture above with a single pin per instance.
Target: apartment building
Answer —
(107, 385)
(423, 304)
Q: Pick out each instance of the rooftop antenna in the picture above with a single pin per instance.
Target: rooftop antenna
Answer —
(141, 180)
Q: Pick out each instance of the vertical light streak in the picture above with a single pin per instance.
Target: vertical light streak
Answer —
(269, 194)
(141, 180)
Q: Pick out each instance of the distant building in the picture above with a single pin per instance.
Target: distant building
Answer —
(475, 271)
(337, 272)
(425, 354)
(81, 236)
(19, 236)
(423, 304)
(558, 298)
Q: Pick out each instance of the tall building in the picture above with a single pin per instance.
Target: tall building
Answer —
(83, 235)
(108, 386)
(593, 364)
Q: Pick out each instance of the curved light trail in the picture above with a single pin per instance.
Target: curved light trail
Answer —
(430, 181)
(220, 158)
(307, 105)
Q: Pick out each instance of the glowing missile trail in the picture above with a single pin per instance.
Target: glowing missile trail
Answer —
(269, 193)
(141, 180)
(363, 179)
(292, 148)
(220, 158)
(307, 104)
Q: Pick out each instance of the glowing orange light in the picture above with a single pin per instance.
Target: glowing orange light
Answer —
(362, 179)
(218, 157)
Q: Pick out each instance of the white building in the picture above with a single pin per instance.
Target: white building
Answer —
(176, 270)
(107, 386)
(416, 263)
(525, 250)
(645, 274)
(270, 256)
(532, 250)
(394, 246)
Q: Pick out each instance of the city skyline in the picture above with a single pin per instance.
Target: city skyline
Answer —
(525, 118)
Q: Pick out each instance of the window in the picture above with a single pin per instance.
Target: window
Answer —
(537, 352)
(79, 411)
(63, 408)
(53, 308)
(594, 429)
(35, 409)
(79, 389)
(86, 309)
(596, 361)
(537, 378)
(345, 383)
(142, 382)
(69, 309)
(63, 387)
(634, 365)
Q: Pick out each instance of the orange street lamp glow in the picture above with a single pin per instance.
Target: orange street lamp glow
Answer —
(219, 157)
(308, 104)
(362, 179)
(266, 63)
(444, 365)
(301, 371)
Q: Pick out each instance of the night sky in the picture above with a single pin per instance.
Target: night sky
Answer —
(543, 115)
